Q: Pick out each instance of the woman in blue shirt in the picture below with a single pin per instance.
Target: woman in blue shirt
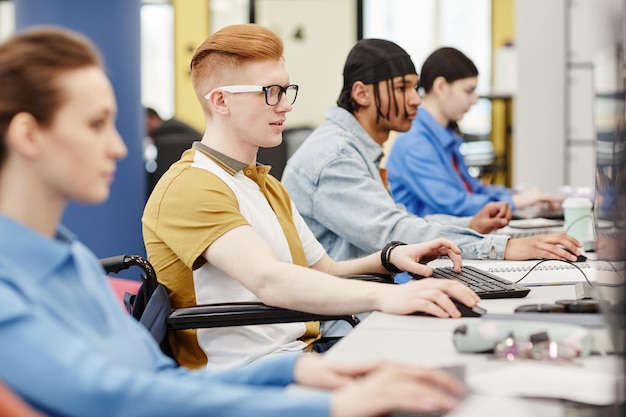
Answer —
(426, 170)
(68, 348)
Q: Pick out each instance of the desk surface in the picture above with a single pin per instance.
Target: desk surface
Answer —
(428, 341)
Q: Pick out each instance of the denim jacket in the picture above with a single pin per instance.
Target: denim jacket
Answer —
(334, 180)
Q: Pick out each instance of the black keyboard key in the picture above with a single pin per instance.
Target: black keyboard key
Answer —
(485, 284)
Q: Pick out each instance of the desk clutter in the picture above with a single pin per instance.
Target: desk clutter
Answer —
(544, 354)
(483, 336)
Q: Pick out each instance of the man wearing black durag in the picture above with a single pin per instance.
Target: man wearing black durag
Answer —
(338, 186)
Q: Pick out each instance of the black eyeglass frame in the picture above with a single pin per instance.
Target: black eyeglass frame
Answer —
(258, 88)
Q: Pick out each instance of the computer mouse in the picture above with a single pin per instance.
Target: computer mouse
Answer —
(579, 258)
(466, 311)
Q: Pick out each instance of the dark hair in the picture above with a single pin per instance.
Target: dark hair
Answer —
(446, 62)
(30, 64)
(372, 61)
(151, 112)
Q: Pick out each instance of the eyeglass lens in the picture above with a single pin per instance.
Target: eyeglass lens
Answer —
(274, 94)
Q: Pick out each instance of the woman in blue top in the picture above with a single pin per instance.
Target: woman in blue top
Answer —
(68, 348)
(426, 170)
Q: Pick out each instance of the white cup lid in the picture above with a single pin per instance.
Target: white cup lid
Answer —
(576, 202)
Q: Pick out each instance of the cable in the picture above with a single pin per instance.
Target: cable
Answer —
(559, 260)
(569, 226)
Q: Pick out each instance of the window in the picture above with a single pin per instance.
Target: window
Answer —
(421, 26)
(7, 19)
(157, 58)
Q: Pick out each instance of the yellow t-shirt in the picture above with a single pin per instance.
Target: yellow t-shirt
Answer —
(201, 197)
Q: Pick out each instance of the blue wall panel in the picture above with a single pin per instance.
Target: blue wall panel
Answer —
(114, 25)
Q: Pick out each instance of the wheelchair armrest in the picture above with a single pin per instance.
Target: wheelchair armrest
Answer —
(115, 264)
(384, 278)
(241, 314)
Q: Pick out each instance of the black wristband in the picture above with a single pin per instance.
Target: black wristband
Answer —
(384, 256)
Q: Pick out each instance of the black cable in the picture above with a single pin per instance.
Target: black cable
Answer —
(559, 260)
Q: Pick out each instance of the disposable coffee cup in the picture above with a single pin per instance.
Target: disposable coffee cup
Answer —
(578, 221)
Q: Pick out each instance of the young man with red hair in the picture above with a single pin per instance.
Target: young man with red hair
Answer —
(219, 228)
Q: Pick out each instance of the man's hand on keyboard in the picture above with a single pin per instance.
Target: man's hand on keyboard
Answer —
(493, 216)
(535, 196)
(548, 246)
(428, 295)
(412, 258)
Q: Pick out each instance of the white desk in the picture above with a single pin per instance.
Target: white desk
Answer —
(428, 341)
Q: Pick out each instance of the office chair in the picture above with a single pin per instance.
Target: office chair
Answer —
(151, 305)
(169, 150)
(278, 156)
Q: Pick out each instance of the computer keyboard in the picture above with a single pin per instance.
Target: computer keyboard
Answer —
(520, 233)
(530, 227)
(543, 212)
(485, 284)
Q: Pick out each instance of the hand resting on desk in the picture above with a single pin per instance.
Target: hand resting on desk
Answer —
(493, 216)
(387, 386)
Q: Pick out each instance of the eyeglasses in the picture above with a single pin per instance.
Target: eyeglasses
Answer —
(273, 93)
(539, 347)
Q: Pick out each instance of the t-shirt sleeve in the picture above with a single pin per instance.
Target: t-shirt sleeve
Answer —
(196, 209)
(312, 247)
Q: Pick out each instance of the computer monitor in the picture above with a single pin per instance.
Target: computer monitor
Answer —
(609, 207)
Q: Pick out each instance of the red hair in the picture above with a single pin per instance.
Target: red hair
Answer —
(228, 48)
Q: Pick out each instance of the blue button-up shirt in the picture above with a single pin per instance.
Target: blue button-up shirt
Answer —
(68, 347)
(422, 176)
(334, 180)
